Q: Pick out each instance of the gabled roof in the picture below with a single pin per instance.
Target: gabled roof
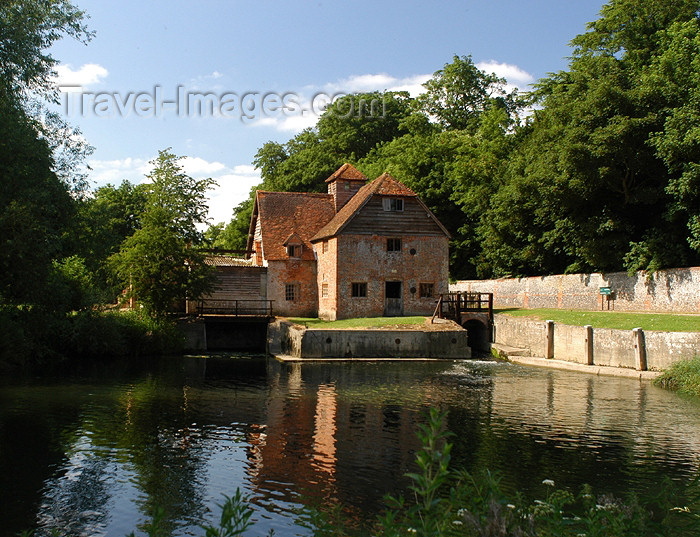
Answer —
(299, 213)
(347, 171)
(384, 185)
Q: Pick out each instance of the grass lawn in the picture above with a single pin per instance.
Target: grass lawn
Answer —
(363, 322)
(665, 322)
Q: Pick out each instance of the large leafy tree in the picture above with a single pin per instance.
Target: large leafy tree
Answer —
(674, 82)
(587, 190)
(35, 206)
(460, 92)
(28, 28)
(159, 264)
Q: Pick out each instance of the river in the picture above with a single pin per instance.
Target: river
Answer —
(90, 453)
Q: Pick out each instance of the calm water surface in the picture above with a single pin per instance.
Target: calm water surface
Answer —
(92, 454)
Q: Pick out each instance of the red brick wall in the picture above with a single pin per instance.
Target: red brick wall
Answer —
(327, 273)
(293, 271)
(364, 258)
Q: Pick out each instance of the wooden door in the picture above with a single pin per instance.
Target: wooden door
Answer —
(393, 299)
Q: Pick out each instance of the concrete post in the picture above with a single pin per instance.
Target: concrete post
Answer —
(549, 328)
(589, 344)
(640, 349)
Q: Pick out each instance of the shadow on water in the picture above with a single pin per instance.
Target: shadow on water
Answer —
(94, 452)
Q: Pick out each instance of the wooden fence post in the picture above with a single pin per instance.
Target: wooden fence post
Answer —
(640, 349)
(589, 344)
(549, 338)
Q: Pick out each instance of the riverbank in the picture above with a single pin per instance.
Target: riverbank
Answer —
(518, 356)
(636, 350)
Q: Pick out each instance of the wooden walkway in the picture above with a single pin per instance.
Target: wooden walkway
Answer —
(261, 309)
(460, 306)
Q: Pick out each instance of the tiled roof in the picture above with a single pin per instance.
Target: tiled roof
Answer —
(282, 213)
(384, 185)
(347, 171)
(227, 261)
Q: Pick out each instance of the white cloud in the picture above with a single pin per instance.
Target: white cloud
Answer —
(129, 169)
(234, 183)
(378, 82)
(234, 187)
(514, 75)
(198, 166)
(72, 80)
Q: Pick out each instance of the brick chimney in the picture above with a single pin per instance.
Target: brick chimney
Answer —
(344, 183)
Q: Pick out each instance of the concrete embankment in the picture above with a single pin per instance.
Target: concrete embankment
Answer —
(597, 350)
(294, 342)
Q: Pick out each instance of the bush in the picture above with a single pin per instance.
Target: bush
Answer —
(683, 376)
(33, 337)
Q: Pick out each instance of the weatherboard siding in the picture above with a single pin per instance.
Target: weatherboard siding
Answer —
(373, 219)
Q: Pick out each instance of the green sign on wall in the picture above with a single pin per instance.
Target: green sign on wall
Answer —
(605, 291)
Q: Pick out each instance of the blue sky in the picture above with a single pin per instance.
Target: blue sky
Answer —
(121, 89)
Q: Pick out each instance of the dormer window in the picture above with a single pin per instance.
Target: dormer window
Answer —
(393, 204)
(294, 250)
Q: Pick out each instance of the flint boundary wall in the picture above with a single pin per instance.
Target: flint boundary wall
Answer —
(670, 291)
(631, 349)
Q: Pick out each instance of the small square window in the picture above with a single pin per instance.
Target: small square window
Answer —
(324, 290)
(294, 250)
(359, 290)
(291, 292)
(427, 290)
(393, 245)
(393, 204)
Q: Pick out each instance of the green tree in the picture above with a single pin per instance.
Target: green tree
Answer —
(101, 224)
(35, 208)
(159, 264)
(587, 191)
(28, 28)
(674, 82)
(460, 92)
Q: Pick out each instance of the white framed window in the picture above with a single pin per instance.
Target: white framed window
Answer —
(294, 250)
(324, 290)
(393, 204)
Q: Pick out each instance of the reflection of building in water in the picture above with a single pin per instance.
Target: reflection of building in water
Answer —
(324, 430)
(328, 439)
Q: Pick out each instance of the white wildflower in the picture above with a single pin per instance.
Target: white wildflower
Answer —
(510, 506)
(457, 522)
(548, 482)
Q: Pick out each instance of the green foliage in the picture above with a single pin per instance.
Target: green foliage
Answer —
(28, 28)
(159, 264)
(592, 185)
(460, 92)
(35, 207)
(682, 376)
(235, 517)
(71, 286)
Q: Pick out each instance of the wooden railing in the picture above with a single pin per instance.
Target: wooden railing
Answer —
(453, 305)
(257, 308)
